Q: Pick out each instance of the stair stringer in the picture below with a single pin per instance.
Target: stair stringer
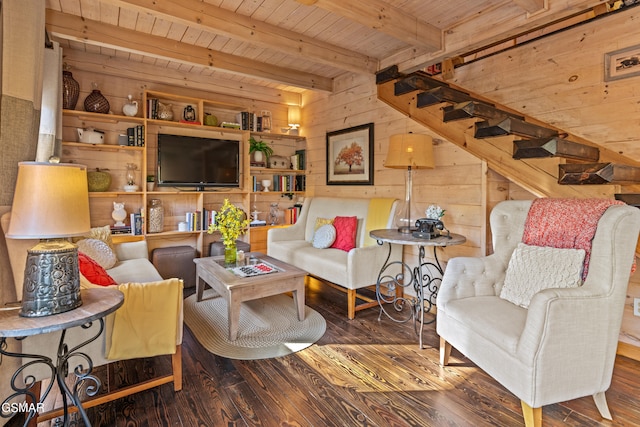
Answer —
(538, 176)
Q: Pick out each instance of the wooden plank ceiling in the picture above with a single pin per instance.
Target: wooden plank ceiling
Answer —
(296, 45)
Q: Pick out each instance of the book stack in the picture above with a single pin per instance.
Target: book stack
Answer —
(301, 157)
(194, 220)
(152, 108)
(249, 121)
(135, 136)
(126, 229)
(291, 215)
(208, 218)
(287, 183)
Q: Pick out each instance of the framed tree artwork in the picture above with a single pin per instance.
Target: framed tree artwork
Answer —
(350, 156)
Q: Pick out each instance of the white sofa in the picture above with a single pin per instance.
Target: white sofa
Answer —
(351, 270)
(133, 266)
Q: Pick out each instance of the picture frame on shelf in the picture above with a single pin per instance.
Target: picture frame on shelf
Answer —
(622, 63)
(350, 156)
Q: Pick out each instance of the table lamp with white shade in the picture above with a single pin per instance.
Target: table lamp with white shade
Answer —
(408, 151)
(50, 203)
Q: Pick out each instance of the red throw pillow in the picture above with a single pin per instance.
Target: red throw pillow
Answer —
(93, 271)
(346, 228)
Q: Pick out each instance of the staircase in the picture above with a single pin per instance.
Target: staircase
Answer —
(540, 158)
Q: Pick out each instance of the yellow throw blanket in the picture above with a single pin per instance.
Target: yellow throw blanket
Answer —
(377, 217)
(146, 325)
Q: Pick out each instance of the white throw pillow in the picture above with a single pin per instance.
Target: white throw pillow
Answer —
(324, 236)
(98, 251)
(534, 268)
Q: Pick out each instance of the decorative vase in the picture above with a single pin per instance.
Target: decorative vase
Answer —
(98, 180)
(164, 111)
(95, 102)
(70, 91)
(230, 254)
(131, 107)
(258, 156)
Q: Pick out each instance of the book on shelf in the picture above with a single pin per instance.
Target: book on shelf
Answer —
(136, 224)
(152, 108)
(301, 159)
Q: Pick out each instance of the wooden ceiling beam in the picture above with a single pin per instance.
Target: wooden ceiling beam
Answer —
(72, 27)
(147, 73)
(207, 17)
(381, 16)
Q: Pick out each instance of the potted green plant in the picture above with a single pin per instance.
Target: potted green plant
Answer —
(151, 182)
(259, 149)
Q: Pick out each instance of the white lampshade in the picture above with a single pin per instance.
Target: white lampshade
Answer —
(293, 116)
(410, 150)
(50, 201)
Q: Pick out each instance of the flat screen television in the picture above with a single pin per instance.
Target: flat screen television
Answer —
(188, 161)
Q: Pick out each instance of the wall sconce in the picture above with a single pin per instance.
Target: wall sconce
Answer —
(408, 151)
(294, 119)
(50, 203)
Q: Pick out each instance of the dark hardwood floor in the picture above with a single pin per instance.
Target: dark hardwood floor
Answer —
(363, 372)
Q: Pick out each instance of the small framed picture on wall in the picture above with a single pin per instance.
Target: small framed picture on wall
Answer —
(350, 156)
(622, 63)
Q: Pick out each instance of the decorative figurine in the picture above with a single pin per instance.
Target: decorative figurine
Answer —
(118, 214)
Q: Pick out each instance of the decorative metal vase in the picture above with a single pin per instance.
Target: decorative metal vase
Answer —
(70, 91)
(95, 102)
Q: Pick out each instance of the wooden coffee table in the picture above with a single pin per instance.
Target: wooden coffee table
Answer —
(237, 289)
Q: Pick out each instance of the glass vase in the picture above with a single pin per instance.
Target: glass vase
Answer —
(156, 216)
(230, 254)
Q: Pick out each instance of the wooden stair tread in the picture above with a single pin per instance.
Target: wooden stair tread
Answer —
(511, 126)
(471, 109)
(442, 94)
(388, 74)
(416, 81)
(554, 147)
(597, 173)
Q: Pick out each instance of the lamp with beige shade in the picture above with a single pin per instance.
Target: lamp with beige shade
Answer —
(409, 151)
(50, 203)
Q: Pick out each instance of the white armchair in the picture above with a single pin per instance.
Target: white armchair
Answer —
(561, 347)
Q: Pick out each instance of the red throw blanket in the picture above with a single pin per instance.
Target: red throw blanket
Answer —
(565, 223)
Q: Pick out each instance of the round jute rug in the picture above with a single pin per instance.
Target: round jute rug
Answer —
(268, 327)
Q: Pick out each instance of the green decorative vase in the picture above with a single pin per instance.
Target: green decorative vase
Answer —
(230, 253)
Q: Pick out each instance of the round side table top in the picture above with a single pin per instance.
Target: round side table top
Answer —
(96, 303)
(392, 235)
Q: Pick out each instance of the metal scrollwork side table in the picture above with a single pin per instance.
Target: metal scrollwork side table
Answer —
(96, 304)
(424, 278)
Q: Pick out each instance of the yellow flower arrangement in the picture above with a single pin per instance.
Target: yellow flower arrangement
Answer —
(231, 222)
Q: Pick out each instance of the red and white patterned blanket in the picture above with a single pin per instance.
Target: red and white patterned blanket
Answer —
(565, 223)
